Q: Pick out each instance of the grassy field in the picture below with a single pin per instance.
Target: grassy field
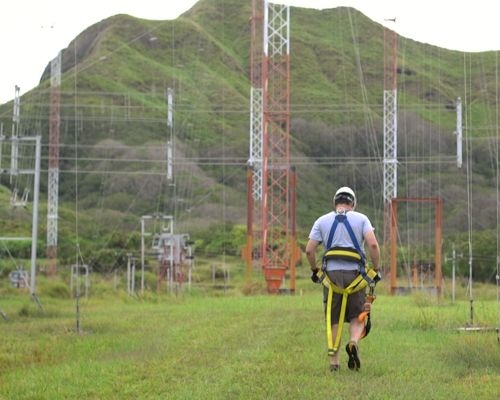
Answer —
(230, 346)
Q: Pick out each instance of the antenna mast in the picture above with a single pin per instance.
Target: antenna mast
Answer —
(15, 134)
(254, 171)
(458, 132)
(272, 180)
(390, 116)
(53, 172)
(390, 127)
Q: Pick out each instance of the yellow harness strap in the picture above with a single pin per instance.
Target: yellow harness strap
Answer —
(342, 253)
(356, 285)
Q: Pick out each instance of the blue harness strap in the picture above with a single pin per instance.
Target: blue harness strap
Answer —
(332, 232)
(342, 218)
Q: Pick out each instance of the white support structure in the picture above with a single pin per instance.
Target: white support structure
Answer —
(14, 155)
(53, 171)
(35, 171)
(170, 141)
(36, 197)
(130, 275)
(172, 251)
(390, 145)
(459, 132)
(77, 272)
(256, 99)
(256, 134)
(165, 254)
(277, 29)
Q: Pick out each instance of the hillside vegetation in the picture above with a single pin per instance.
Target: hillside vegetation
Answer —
(113, 128)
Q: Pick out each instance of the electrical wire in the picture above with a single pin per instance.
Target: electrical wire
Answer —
(497, 153)
(466, 68)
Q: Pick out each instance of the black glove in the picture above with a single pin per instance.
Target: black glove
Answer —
(315, 277)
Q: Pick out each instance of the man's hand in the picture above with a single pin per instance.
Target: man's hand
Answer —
(314, 277)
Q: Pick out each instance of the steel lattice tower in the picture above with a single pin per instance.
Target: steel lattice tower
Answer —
(53, 173)
(256, 98)
(390, 117)
(254, 172)
(390, 161)
(272, 180)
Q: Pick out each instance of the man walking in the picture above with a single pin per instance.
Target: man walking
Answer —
(347, 232)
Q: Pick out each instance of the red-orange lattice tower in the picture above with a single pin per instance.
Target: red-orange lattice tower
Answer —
(272, 179)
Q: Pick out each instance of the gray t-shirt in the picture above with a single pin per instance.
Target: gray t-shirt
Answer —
(320, 231)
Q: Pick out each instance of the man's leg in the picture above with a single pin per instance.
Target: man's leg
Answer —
(356, 329)
(334, 360)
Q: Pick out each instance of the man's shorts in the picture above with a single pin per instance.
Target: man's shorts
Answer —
(355, 301)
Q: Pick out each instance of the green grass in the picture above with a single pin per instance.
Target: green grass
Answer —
(235, 347)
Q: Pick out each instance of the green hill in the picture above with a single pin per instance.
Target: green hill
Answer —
(113, 126)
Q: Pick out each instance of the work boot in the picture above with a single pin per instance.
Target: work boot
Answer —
(352, 351)
(334, 367)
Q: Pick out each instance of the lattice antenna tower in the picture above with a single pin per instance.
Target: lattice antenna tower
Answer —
(170, 141)
(254, 171)
(271, 179)
(256, 98)
(390, 161)
(53, 172)
(390, 116)
(279, 253)
(14, 151)
(458, 132)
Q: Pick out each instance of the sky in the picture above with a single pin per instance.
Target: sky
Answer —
(32, 32)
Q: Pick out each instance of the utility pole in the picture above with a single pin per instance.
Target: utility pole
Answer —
(454, 257)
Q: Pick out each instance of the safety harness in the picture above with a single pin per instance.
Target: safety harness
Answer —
(366, 277)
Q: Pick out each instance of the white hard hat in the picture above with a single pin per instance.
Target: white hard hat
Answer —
(346, 191)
